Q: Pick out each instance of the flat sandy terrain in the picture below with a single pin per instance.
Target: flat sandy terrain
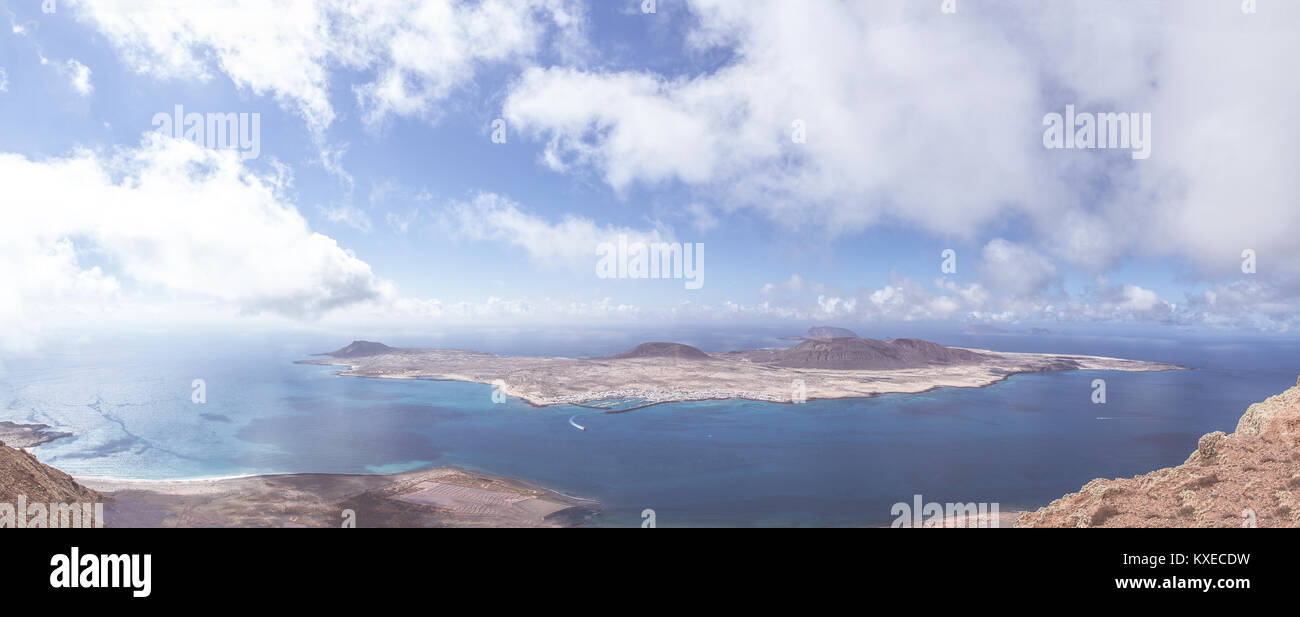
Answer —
(28, 435)
(439, 497)
(555, 381)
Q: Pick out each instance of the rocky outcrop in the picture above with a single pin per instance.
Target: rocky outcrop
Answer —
(1248, 478)
(867, 354)
(361, 349)
(22, 474)
(664, 350)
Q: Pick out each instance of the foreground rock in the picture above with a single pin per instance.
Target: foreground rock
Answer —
(1251, 477)
(669, 372)
(22, 474)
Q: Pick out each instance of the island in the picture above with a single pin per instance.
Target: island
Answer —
(660, 372)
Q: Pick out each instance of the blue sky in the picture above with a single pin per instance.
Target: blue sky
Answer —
(923, 133)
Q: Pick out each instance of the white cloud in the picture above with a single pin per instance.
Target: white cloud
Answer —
(1249, 303)
(4, 80)
(913, 118)
(835, 306)
(906, 300)
(426, 50)
(169, 221)
(1138, 299)
(896, 125)
(1015, 269)
(421, 50)
(646, 129)
(935, 121)
(78, 75)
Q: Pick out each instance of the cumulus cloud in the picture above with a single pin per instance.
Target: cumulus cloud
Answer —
(420, 50)
(935, 120)
(837, 115)
(1029, 296)
(166, 221)
(431, 48)
(896, 125)
(1016, 269)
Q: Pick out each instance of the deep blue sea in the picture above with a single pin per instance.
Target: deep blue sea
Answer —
(1019, 443)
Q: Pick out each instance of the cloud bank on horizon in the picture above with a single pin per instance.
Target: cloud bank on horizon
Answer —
(829, 154)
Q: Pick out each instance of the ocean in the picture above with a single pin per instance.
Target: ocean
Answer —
(1020, 443)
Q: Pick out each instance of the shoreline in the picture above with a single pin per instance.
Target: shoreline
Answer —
(29, 435)
(145, 483)
(119, 480)
(437, 496)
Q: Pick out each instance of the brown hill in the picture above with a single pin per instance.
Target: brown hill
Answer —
(664, 350)
(867, 354)
(358, 349)
(22, 474)
(1248, 478)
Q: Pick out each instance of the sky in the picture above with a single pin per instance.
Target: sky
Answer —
(416, 164)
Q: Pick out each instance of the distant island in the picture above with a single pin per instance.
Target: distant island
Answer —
(829, 332)
(823, 366)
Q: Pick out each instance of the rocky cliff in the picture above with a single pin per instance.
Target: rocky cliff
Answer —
(1248, 478)
(22, 474)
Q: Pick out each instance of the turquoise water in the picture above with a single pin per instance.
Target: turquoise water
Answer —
(1019, 443)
